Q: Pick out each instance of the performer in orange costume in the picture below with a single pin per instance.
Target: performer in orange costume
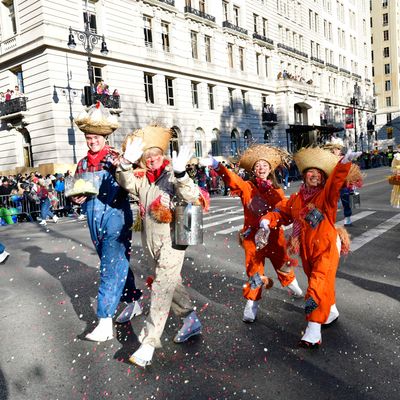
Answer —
(258, 196)
(313, 213)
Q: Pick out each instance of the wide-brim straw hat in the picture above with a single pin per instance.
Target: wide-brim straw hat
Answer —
(153, 136)
(273, 155)
(315, 157)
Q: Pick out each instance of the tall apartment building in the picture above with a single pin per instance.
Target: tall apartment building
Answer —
(386, 70)
(222, 74)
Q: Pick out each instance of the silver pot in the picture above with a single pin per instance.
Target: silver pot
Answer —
(188, 228)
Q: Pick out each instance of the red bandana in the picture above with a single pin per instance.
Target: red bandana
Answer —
(154, 174)
(263, 185)
(94, 159)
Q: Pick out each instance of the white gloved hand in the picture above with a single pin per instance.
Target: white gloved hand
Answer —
(213, 162)
(179, 161)
(264, 223)
(134, 149)
(165, 200)
(350, 156)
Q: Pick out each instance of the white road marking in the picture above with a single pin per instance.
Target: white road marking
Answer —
(222, 222)
(371, 234)
(357, 217)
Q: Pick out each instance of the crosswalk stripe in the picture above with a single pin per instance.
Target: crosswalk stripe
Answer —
(354, 218)
(222, 222)
(220, 211)
(374, 233)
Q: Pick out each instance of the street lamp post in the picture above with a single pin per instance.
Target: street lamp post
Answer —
(354, 102)
(89, 40)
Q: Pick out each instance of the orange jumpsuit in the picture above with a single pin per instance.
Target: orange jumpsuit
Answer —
(319, 245)
(255, 204)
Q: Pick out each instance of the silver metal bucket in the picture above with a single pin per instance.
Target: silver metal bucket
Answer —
(188, 225)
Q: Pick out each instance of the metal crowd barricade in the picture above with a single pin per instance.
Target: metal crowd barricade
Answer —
(16, 207)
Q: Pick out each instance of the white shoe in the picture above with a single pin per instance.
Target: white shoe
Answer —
(347, 221)
(191, 327)
(250, 311)
(131, 310)
(294, 289)
(82, 217)
(142, 356)
(102, 332)
(55, 219)
(3, 256)
(333, 315)
(312, 336)
(43, 222)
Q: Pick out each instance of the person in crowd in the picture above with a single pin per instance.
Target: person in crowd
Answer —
(5, 188)
(3, 254)
(109, 218)
(336, 146)
(259, 195)
(100, 87)
(115, 93)
(45, 203)
(314, 236)
(2, 97)
(155, 188)
(8, 95)
(17, 92)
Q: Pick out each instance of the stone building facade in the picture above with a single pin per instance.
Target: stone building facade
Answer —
(222, 74)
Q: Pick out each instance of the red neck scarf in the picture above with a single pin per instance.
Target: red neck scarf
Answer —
(154, 174)
(263, 185)
(94, 159)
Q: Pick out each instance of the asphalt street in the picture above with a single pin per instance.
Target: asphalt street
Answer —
(48, 288)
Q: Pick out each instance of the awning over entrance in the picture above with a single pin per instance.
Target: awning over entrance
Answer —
(306, 135)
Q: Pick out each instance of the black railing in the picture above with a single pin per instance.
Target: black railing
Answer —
(345, 71)
(269, 117)
(199, 13)
(332, 66)
(262, 38)
(227, 24)
(169, 2)
(106, 100)
(367, 80)
(292, 50)
(318, 60)
(12, 106)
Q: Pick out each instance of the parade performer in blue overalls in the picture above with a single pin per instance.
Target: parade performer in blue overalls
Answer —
(109, 218)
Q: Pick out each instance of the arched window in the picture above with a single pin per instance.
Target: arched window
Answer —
(234, 142)
(247, 138)
(215, 142)
(198, 142)
(174, 142)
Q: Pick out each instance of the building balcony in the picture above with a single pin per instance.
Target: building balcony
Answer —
(292, 51)
(167, 4)
(234, 28)
(198, 15)
(263, 40)
(317, 60)
(269, 118)
(356, 76)
(13, 108)
(332, 66)
(107, 100)
(345, 71)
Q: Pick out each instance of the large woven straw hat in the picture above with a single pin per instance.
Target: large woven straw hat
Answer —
(153, 136)
(273, 155)
(335, 143)
(315, 157)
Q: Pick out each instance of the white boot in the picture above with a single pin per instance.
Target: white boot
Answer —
(43, 222)
(55, 219)
(102, 332)
(333, 315)
(312, 337)
(294, 288)
(250, 311)
(3, 256)
(142, 356)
